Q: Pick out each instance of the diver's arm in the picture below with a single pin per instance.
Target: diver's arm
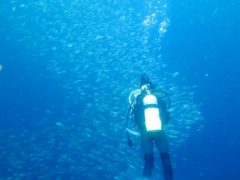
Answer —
(163, 112)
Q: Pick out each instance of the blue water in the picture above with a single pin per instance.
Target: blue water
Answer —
(67, 68)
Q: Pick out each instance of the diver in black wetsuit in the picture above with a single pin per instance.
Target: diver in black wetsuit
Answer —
(151, 116)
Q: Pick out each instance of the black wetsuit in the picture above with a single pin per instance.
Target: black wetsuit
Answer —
(149, 137)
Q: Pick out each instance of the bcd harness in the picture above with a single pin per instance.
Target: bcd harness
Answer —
(151, 111)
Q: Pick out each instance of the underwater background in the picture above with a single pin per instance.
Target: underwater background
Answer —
(67, 68)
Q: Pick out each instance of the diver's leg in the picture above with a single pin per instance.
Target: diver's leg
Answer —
(167, 166)
(148, 165)
(162, 145)
(147, 147)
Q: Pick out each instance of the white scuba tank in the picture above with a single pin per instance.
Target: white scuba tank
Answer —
(151, 112)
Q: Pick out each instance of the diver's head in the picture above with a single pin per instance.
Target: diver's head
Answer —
(144, 79)
(145, 83)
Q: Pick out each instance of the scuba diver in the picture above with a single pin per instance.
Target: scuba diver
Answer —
(149, 113)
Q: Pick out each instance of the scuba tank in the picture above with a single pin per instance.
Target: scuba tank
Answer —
(151, 113)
